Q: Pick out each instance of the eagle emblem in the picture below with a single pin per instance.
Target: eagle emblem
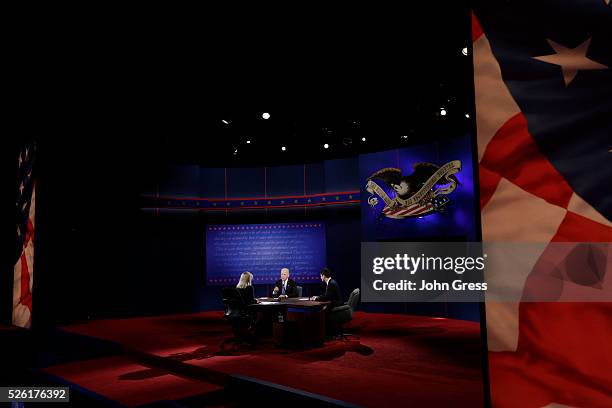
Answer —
(422, 192)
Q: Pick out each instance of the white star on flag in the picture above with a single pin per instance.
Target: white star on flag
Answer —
(571, 60)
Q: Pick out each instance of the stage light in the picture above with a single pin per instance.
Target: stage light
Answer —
(347, 141)
(265, 115)
(405, 137)
(464, 51)
(248, 141)
(443, 112)
(235, 152)
(363, 139)
(225, 121)
(283, 148)
(467, 115)
(326, 146)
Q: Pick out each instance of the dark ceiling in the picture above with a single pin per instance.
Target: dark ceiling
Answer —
(325, 76)
(333, 82)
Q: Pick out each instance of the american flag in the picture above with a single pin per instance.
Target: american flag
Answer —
(410, 211)
(543, 89)
(24, 257)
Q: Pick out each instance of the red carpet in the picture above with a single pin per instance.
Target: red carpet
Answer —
(399, 360)
(129, 383)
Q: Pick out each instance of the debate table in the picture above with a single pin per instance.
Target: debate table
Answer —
(295, 321)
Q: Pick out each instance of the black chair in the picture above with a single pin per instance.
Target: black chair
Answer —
(341, 315)
(238, 316)
(299, 290)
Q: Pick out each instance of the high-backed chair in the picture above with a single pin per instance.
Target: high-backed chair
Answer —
(238, 316)
(341, 315)
(299, 289)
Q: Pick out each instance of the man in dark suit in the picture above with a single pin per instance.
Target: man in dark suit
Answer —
(285, 287)
(330, 289)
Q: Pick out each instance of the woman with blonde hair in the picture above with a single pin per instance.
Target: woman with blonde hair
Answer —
(246, 278)
(245, 288)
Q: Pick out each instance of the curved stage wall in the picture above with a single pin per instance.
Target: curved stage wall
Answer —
(181, 201)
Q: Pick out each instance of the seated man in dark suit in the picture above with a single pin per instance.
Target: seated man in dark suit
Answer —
(285, 287)
(331, 291)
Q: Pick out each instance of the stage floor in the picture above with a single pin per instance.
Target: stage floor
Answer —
(399, 360)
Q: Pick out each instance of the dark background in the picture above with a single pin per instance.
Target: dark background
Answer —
(111, 109)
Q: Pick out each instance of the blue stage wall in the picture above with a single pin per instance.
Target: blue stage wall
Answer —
(172, 242)
(263, 250)
(456, 219)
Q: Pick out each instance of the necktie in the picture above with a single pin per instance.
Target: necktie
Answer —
(284, 287)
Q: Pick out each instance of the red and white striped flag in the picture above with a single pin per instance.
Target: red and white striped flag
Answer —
(543, 105)
(23, 273)
(410, 211)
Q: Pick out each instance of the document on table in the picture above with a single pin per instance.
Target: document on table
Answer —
(267, 303)
(304, 299)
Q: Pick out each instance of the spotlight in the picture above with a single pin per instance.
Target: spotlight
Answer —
(347, 141)
(363, 139)
(467, 115)
(443, 112)
(283, 148)
(405, 137)
(326, 146)
(464, 51)
(248, 141)
(235, 152)
(265, 115)
(226, 122)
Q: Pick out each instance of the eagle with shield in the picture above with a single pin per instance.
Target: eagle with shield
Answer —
(422, 192)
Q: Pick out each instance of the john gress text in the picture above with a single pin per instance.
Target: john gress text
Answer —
(424, 285)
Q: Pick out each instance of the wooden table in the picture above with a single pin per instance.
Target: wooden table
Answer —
(293, 302)
(295, 321)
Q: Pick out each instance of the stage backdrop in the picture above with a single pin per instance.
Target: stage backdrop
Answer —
(447, 214)
(263, 249)
(173, 237)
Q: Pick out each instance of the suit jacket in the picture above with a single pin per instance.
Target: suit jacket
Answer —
(332, 294)
(291, 288)
(247, 294)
